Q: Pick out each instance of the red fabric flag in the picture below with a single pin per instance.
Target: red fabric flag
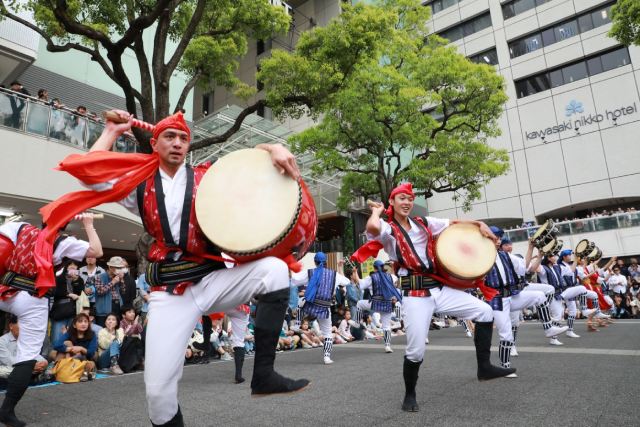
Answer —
(91, 168)
(369, 249)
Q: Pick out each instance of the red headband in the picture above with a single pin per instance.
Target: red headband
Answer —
(175, 121)
(404, 188)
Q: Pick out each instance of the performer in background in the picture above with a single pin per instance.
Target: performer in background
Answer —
(22, 296)
(187, 275)
(384, 296)
(408, 243)
(321, 284)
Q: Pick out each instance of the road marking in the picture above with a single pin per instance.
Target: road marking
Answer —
(430, 347)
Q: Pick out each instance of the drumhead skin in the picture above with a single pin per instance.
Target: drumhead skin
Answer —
(544, 229)
(582, 246)
(463, 252)
(549, 247)
(244, 205)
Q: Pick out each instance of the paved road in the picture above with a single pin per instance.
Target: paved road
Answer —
(591, 381)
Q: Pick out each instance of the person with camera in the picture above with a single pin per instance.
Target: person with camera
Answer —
(109, 288)
(69, 285)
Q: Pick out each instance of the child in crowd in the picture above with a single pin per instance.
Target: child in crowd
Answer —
(344, 327)
(308, 336)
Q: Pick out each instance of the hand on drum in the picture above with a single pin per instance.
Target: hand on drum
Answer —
(486, 232)
(282, 159)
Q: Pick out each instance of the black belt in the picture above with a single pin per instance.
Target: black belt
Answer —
(170, 274)
(416, 283)
(22, 283)
(508, 291)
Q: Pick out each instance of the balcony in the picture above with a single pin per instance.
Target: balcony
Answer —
(31, 116)
(617, 234)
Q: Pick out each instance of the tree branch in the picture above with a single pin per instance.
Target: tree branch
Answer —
(187, 88)
(137, 25)
(74, 27)
(186, 38)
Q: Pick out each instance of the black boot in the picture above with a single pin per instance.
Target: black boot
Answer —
(17, 384)
(206, 339)
(269, 317)
(176, 421)
(238, 358)
(482, 340)
(410, 374)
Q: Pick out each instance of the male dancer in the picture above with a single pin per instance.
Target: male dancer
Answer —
(407, 241)
(185, 282)
(322, 283)
(507, 277)
(383, 298)
(20, 295)
(572, 290)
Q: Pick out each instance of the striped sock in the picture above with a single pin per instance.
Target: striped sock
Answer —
(358, 315)
(583, 302)
(465, 326)
(328, 346)
(514, 331)
(504, 350)
(387, 337)
(543, 314)
(570, 320)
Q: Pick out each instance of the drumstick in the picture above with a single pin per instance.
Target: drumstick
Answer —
(114, 117)
(95, 216)
(373, 204)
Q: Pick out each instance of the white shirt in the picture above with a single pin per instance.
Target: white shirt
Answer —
(416, 234)
(302, 278)
(518, 265)
(67, 248)
(618, 283)
(366, 282)
(565, 270)
(173, 188)
(542, 276)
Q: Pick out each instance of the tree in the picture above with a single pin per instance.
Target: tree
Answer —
(203, 39)
(420, 111)
(626, 22)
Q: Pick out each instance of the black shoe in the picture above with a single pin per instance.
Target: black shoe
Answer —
(17, 384)
(275, 383)
(482, 340)
(176, 421)
(410, 373)
(238, 358)
(9, 419)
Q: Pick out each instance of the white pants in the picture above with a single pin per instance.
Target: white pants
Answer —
(543, 287)
(239, 321)
(417, 313)
(385, 318)
(502, 319)
(171, 320)
(571, 293)
(32, 313)
(556, 310)
(325, 327)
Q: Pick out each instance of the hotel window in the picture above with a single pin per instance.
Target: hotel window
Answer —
(439, 5)
(516, 7)
(467, 28)
(561, 31)
(487, 57)
(574, 71)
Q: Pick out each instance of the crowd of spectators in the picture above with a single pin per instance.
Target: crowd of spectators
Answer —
(50, 117)
(591, 215)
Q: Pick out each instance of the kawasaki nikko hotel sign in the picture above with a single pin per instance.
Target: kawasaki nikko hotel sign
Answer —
(575, 118)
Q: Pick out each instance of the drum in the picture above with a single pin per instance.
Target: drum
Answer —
(549, 247)
(249, 210)
(6, 250)
(556, 250)
(544, 235)
(463, 256)
(584, 248)
(595, 255)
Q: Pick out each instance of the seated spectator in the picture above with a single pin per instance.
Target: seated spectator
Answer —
(109, 340)
(69, 285)
(81, 343)
(618, 311)
(308, 336)
(130, 323)
(91, 312)
(634, 298)
(372, 331)
(131, 349)
(288, 339)
(9, 351)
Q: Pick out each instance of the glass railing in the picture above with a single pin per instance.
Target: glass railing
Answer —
(30, 115)
(585, 225)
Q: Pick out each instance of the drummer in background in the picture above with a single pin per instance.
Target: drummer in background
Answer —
(590, 278)
(572, 290)
(384, 296)
(321, 284)
(406, 241)
(507, 277)
(166, 204)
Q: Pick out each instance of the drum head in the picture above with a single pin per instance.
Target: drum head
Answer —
(556, 250)
(593, 254)
(543, 229)
(464, 252)
(244, 205)
(549, 247)
(582, 246)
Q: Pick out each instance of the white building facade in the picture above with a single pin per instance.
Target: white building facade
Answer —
(572, 122)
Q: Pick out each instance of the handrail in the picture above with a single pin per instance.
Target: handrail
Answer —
(30, 115)
(581, 225)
